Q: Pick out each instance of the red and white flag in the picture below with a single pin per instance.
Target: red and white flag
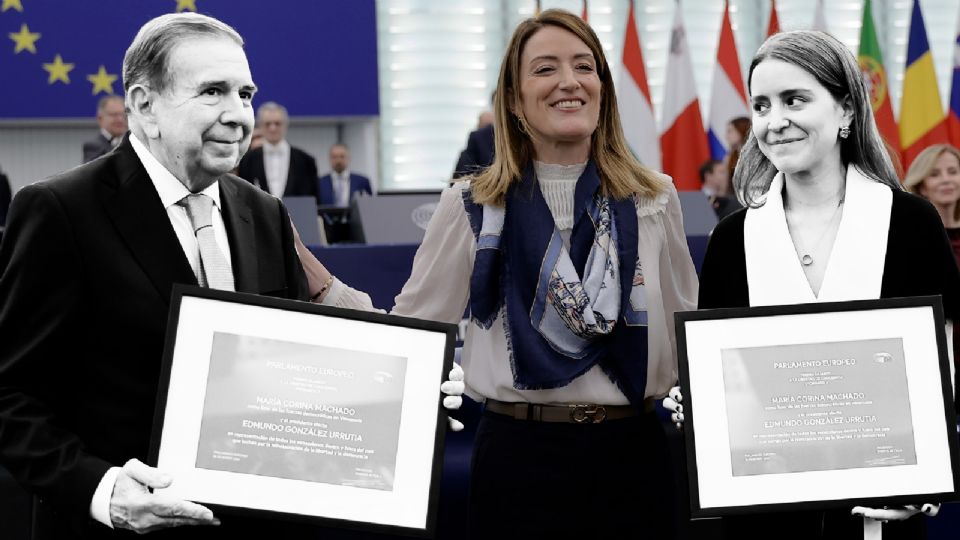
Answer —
(683, 141)
(633, 95)
(728, 97)
(773, 26)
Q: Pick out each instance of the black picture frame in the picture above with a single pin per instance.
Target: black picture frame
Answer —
(795, 450)
(212, 335)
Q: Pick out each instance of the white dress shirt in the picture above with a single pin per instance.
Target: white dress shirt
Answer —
(171, 191)
(114, 141)
(341, 187)
(276, 165)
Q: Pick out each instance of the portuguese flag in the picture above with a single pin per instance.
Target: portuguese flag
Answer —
(871, 63)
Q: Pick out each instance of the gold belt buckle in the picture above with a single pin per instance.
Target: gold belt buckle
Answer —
(588, 414)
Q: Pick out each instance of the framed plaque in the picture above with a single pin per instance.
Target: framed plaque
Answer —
(303, 412)
(817, 405)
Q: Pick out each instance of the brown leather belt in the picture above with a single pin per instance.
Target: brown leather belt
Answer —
(574, 413)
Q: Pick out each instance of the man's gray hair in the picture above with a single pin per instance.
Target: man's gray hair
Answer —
(146, 59)
(271, 106)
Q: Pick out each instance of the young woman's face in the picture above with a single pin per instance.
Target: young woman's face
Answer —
(795, 119)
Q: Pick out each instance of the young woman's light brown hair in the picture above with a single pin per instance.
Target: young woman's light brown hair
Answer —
(621, 175)
(923, 165)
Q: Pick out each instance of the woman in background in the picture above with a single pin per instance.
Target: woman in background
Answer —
(935, 176)
(572, 258)
(738, 130)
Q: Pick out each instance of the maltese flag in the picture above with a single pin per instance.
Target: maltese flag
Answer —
(683, 142)
(633, 94)
(728, 97)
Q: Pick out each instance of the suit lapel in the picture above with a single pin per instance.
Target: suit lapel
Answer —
(238, 221)
(140, 219)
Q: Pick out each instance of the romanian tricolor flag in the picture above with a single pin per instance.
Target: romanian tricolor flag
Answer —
(953, 116)
(874, 74)
(921, 113)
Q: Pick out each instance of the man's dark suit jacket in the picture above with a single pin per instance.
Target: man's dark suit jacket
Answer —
(86, 269)
(6, 195)
(479, 153)
(301, 175)
(95, 148)
(358, 184)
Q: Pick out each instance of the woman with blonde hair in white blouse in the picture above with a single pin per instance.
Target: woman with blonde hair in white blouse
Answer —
(572, 258)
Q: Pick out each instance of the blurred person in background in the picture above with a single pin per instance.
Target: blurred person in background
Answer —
(341, 185)
(738, 130)
(935, 176)
(276, 167)
(112, 120)
(478, 154)
(716, 186)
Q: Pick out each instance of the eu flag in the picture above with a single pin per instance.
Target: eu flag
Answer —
(58, 57)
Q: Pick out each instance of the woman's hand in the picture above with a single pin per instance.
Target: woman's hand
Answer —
(899, 513)
(318, 277)
(672, 404)
(453, 388)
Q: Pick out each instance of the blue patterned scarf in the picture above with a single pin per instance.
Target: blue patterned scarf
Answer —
(565, 310)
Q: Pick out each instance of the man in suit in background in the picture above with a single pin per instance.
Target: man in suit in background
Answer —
(113, 124)
(715, 180)
(478, 155)
(340, 186)
(278, 168)
(87, 264)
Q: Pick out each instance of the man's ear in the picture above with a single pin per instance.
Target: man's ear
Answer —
(141, 102)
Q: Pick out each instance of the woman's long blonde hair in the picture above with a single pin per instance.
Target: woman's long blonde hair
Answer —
(621, 175)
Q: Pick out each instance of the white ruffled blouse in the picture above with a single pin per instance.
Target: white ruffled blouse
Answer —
(439, 289)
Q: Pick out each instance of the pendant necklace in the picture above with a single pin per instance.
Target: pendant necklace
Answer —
(806, 259)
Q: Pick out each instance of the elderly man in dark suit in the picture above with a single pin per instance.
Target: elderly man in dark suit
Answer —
(86, 269)
(278, 168)
(112, 121)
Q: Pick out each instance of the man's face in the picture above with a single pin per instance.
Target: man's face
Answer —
(112, 118)
(204, 117)
(273, 123)
(339, 158)
(717, 180)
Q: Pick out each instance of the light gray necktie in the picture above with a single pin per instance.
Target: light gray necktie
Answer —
(214, 270)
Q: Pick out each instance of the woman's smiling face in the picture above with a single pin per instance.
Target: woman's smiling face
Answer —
(795, 119)
(559, 88)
